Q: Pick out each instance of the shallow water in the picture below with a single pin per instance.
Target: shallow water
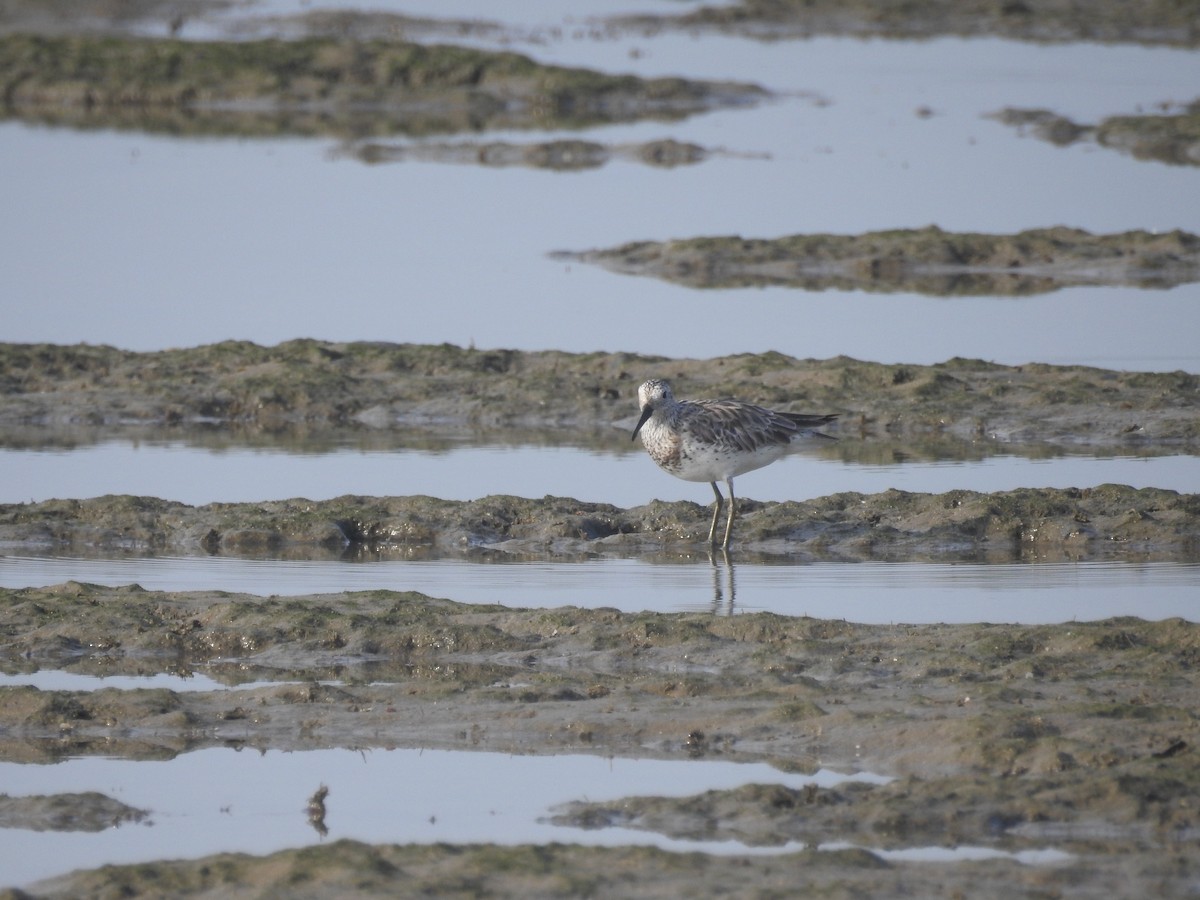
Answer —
(1028, 593)
(212, 801)
(196, 475)
(166, 252)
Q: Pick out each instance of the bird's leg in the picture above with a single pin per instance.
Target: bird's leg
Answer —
(732, 510)
(712, 529)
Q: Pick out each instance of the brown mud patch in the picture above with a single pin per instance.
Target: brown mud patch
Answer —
(1078, 737)
(923, 261)
(346, 868)
(363, 386)
(323, 86)
(1154, 22)
(1109, 521)
(1172, 139)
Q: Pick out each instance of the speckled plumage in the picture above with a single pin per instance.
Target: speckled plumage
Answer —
(716, 440)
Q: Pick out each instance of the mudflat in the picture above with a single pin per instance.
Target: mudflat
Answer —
(1077, 737)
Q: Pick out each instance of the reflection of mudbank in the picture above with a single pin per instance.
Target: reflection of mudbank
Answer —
(1101, 522)
(907, 812)
(924, 261)
(561, 155)
(1173, 139)
(323, 86)
(1150, 22)
(90, 811)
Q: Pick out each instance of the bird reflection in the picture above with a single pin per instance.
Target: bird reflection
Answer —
(316, 810)
(720, 603)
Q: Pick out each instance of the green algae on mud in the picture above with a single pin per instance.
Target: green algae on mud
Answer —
(1169, 138)
(1108, 521)
(324, 86)
(365, 385)
(924, 261)
(1076, 737)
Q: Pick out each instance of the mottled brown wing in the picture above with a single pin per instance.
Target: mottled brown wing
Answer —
(734, 425)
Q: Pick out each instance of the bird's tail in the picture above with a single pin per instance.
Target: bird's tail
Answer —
(804, 420)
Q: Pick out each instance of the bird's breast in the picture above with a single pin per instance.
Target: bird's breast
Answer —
(665, 445)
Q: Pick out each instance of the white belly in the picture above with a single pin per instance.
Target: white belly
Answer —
(711, 464)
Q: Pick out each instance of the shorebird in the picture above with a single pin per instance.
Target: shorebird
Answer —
(716, 440)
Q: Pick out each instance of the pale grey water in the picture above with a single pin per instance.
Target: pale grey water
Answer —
(149, 242)
(872, 592)
(222, 800)
(196, 475)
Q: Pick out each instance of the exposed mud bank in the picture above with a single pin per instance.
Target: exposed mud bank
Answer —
(1077, 737)
(1094, 523)
(1173, 139)
(389, 386)
(351, 868)
(923, 261)
(1154, 22)
(555, 870)
(323, 86)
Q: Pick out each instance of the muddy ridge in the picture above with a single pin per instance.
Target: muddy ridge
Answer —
(1110, 521)
(323, 86)
(392, 386)
(1153, 22)
(1078, 737)
(1168, 138)
(923, 261)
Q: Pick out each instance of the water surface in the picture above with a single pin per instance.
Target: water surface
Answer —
(165, 251)
(222, 800)
(868, 592)
(235, 473)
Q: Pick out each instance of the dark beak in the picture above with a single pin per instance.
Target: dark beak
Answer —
(647, 412)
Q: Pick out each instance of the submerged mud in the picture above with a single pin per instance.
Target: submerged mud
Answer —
(1077, 737)
(364, 386)
(323, 86)
(1169, 138)
(1091, 523)
(559, 156)
(923, 261)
